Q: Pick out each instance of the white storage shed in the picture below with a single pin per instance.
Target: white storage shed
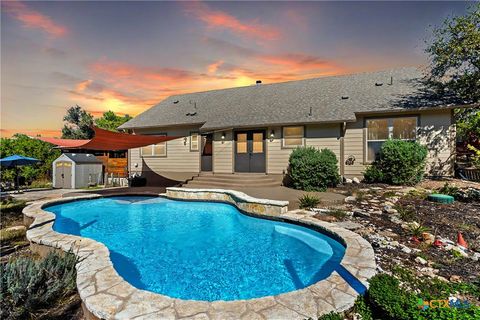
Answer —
(76, 170)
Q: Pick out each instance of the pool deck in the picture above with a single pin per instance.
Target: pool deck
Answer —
(273, 193)
(106, 295)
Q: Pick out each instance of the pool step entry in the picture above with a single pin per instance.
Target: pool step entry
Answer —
(243, 180)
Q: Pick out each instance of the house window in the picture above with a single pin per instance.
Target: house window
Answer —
(155, 150)
(194, 141)
(379, 130)
(292, 137)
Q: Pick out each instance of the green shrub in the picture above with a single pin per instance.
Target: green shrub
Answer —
(373, 174)
(331, 316)
(10, 235)
(12, 205)
(29, 285)
(405, 213)
(362, 308)
(399, 162)
(337, 213)
(313, 170)
(308, 201)
(449, 190)
(41, 183)
(389, 301)
(470, 313)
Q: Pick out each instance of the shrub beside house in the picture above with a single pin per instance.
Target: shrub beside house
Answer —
(398, 162)
(311, 169)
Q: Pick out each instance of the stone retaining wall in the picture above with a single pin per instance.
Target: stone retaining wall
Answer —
(106, 295)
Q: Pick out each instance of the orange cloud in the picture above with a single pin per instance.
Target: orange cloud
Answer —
(7, 133)
(220, 19)
(83, 85)
(33, 19)
(212, 68)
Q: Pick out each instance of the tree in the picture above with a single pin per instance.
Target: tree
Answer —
(110, 121)
(78, 124)
(29, 147)
(455, 66)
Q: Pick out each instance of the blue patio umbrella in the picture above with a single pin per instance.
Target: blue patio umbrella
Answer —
(15, 161)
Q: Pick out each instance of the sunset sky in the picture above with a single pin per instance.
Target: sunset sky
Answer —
(127, 56)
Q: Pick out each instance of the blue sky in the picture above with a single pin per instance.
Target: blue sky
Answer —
(127, 56)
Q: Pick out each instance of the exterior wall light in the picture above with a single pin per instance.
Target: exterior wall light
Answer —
(223, 135)
(272, 135)
(185, 141)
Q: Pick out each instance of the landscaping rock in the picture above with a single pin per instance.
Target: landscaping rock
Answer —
(388, 209)
(15, 228)
(360, 213)
(421, 260)
(347, 180)
(356, 180)
(350, 199)
(406, 249)
(455, 278)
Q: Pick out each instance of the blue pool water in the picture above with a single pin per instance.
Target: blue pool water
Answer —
(200, 250)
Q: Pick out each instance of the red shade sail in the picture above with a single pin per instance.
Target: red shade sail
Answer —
(108, 140)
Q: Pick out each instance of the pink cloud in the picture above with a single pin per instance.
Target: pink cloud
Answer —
(212, 68)
(223, 20)
(33, 19)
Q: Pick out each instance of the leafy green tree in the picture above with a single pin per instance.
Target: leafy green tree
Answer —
(78, 124)
(455, 66)
(110, 121)
(23, 145)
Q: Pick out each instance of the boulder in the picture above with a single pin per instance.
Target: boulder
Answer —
(356, 180)
(421, 260)
(15, 228)
(350, 199)
(360, 213)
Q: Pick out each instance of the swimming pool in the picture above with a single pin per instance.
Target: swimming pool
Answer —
(200, 250)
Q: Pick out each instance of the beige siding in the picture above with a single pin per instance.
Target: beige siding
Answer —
(223, 152)
(437, 132)
(354, 146)
(320, 136)
(179, 157)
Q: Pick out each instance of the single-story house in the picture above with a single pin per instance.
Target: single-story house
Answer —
(255, 128)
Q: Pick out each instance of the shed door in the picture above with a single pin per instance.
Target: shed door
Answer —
(63, 175)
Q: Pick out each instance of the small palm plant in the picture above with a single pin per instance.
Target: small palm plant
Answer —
(308, 201)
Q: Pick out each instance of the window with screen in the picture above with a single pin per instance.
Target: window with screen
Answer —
(194, 141)
(155, 150)
(380, 130)
(292, 137)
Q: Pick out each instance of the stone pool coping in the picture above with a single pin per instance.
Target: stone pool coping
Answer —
(106, 295)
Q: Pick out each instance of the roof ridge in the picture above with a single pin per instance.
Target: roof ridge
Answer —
(301, 80)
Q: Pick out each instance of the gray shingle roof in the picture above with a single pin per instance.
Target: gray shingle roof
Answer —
(83, 158)
(290, 102)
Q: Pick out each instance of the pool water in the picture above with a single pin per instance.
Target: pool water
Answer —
(200, 250)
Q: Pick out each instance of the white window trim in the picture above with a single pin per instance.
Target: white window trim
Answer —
(390, 132)
(153, 155)
(198, 141)
(297, 145)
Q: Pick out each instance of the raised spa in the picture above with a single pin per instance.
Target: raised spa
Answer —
(200, 250)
